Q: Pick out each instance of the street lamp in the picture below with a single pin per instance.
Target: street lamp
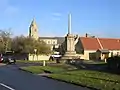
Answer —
(35, 50)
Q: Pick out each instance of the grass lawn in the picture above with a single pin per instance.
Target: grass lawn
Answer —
(33, 69)
(51, 69)
(67, 73)
(93, 62)
(94, 79)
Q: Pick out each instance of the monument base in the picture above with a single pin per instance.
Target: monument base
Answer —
(70, 56)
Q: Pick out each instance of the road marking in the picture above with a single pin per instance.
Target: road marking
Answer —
(6, 86)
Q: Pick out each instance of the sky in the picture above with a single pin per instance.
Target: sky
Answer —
(100, 18)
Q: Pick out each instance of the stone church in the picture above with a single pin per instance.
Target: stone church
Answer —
(89, 48)
(53, 42)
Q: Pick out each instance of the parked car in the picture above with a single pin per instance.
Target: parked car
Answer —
(55, 56)
(8, 60)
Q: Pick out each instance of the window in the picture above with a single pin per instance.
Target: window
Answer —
(53, 42)
(48, 42)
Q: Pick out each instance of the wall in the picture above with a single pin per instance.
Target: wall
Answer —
(86, 54)
(33, 57)
(50, 41)
(98, 55)
(114, 52)
(79, 47)
(92, 56)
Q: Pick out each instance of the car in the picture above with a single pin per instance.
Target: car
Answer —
(8, 60)
(55, 56)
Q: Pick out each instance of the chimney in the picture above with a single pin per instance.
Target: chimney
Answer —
(86, 35)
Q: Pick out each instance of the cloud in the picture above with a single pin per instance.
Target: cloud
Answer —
(7, 9)
(57, 14)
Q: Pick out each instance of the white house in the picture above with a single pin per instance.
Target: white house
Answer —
(99, 48)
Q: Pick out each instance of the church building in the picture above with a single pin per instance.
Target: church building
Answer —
(53, 42)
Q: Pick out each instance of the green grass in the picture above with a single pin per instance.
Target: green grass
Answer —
(33, 69)
(96, 75)
(51, 69)
(95, 79)
(86, 81)
(68, 73)
(93, 62)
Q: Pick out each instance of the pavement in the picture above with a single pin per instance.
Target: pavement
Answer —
(2, 64)
(11, 78)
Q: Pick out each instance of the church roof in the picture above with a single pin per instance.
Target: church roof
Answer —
(33, 22)
(60, 40)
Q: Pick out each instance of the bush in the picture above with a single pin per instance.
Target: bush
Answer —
(113, 62)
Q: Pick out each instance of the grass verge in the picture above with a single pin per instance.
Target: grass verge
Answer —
(50, 69)
(67, 73)
(92, 79)
(86, 81)
(32, 69)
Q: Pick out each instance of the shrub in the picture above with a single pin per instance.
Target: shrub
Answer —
(113, 62)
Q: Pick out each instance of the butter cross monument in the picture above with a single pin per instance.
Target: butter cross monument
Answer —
(70, 42)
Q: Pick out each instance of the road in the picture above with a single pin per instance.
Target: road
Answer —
(11, 78)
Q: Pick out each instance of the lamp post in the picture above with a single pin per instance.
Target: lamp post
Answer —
(35, 50)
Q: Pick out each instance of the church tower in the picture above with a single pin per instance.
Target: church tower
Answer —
(33, 30)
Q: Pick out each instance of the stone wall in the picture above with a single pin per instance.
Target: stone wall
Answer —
(33, 57)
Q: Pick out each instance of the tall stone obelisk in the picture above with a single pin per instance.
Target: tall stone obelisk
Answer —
(69, 24)
(70, 41)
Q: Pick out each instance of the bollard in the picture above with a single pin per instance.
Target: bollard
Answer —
(105, 60)
(43, 62)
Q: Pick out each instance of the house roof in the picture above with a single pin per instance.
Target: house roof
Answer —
(109, 43)
(103, 50)
(90, 43)
(100, 43)
(60, 40)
